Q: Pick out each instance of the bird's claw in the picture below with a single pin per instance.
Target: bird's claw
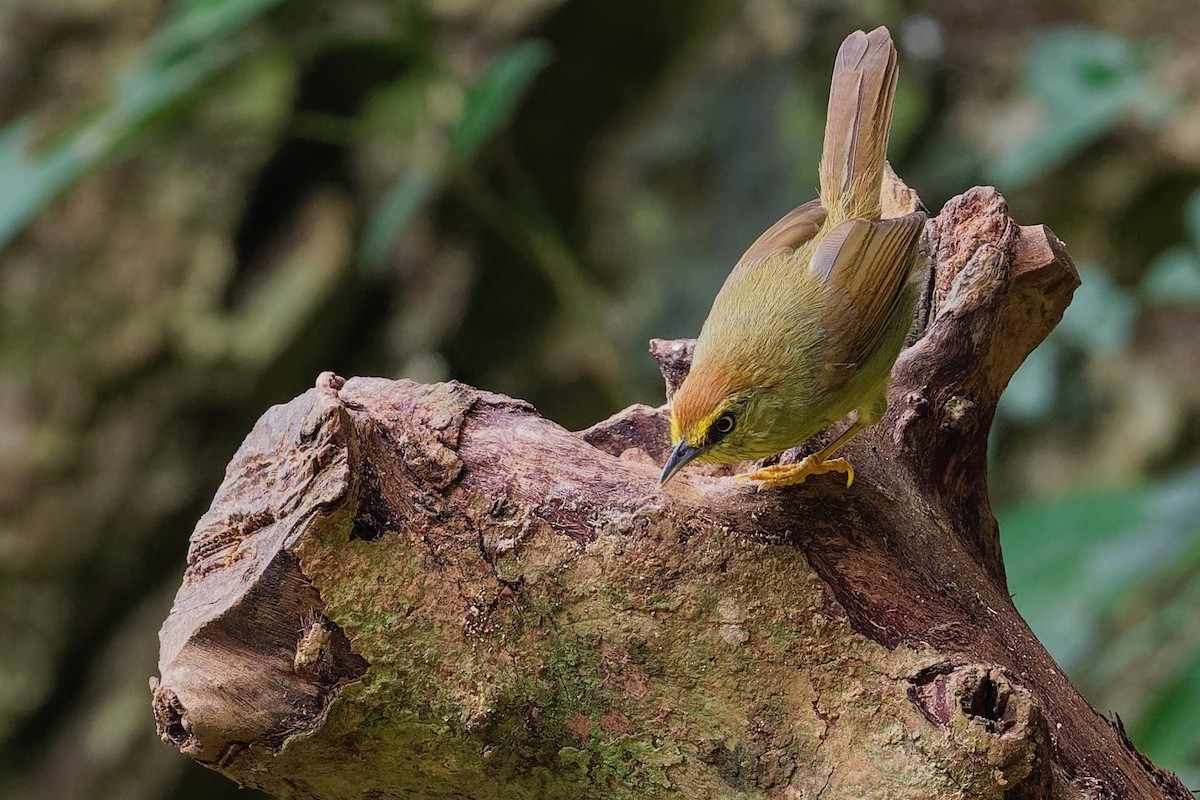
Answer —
(778, 475)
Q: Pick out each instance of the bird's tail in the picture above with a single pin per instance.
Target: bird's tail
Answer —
(856, 129)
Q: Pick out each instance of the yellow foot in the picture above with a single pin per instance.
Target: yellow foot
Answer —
(791, 474)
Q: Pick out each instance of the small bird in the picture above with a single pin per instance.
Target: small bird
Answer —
(810, 321)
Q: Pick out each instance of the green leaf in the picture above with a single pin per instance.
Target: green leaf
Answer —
(1057, 555)
(1080, 71)
(182, 56)
(397, 209)
(31, 181)
(1106, 579)
(486, 108)
(1173, 277)
(491, 101)
(1084, 81)
(1101, 315)
(1167, 728)
(1032, 392)
(202, 23)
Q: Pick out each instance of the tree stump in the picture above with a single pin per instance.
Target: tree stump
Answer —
(404, 590)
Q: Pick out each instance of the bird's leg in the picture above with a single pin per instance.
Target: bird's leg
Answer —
(817, 463)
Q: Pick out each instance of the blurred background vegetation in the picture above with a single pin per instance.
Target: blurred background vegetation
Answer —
(205, 203)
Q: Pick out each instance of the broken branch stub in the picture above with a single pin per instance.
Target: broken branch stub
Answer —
(410, 590)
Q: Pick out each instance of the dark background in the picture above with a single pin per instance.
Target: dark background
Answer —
(205, 204)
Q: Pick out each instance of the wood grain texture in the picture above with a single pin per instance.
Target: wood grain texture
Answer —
(405, 590)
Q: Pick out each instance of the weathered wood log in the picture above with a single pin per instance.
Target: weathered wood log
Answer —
(431, 591)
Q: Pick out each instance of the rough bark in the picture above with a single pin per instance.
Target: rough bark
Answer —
(405, 590)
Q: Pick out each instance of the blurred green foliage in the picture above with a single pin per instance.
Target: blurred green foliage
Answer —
(1106, 578)
(495, 158)
(486, 108)
(1106, 574)
(1174, 276)
(201, 39)
(1084, 82)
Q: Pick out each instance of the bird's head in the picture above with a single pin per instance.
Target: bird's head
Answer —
(716, 418)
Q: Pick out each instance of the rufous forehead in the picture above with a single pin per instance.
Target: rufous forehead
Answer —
(695, 401)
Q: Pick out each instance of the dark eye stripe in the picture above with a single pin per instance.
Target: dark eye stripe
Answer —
(721, 427)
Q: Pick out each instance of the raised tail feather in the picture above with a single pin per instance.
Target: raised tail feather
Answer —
(856, 129)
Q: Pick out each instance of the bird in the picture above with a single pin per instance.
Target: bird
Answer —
(810, 321)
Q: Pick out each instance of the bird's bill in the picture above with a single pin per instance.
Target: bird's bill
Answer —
(680, 456)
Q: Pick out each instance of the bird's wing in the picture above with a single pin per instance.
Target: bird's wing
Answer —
(865, 264)
(796, 228)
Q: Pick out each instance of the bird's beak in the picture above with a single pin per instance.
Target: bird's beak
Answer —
(680, 456)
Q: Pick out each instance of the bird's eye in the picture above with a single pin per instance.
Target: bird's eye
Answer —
(724, 424)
